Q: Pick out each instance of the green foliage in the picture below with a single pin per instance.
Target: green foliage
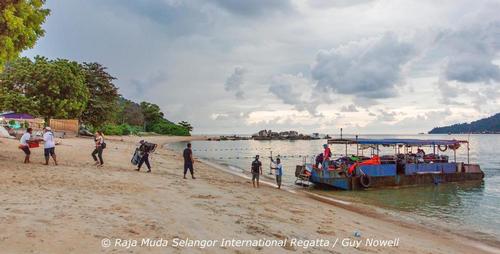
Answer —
(486, 125)
(152, 114)
(48, 88)
(120, 130)
(20, 26)
(166, 128)
(103, 100)
(128, 112)
(186, 125)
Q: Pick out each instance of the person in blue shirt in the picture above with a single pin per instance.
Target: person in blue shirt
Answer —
(278, 167)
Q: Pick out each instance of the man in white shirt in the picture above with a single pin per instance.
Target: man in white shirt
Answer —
(49, 145)
(278, 167)
(24, 144)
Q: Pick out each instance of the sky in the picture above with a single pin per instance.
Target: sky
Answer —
(231, 66)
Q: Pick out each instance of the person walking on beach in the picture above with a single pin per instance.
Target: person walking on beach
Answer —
(145, 149)
(278, 167)
(99, 146)
(49, 145)
(25, 146)
(327, 153)
(188, 161)
(256, 170)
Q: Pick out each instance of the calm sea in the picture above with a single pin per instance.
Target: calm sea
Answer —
(471, 207)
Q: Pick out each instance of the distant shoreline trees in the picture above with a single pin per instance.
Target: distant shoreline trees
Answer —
(486, 125)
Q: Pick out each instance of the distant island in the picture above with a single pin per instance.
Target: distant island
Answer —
(271, 135)
(484, 126)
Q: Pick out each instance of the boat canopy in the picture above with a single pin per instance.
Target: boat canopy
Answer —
(395, 141)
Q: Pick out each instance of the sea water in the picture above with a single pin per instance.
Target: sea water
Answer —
(469, 207)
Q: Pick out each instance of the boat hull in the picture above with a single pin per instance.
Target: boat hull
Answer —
(354, 182)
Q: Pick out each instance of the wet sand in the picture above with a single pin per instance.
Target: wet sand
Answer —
(70, 208)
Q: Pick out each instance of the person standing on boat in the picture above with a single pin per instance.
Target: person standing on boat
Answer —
(188, 161)
(420, 155)
(256, 170)
(278, 167)
(327, 153)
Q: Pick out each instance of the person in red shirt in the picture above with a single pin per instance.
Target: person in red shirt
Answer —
(327, 154)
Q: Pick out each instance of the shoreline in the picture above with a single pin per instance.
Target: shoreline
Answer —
(490, 244)
(72, 207)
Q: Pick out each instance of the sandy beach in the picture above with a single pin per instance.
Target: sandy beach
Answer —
(72, 207)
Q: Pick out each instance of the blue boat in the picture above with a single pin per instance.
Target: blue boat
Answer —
(402, 168)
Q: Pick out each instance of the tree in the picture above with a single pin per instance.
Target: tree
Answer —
(152, 114)
(103, 100)
(48, 88)
(20, 26)
(167, 128)
(130, 113)
(186, 125)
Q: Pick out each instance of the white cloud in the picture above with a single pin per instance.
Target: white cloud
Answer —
(385, 55)
(296, 90)
(471, 52)
(235, 81)
(368, 68)
(349, 108)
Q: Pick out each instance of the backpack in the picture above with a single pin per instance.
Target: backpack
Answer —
(148, 147)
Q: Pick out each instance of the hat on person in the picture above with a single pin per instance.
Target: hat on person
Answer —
(325, 145)
(48, 128)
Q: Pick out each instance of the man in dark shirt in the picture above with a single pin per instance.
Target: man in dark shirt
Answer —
(256, 170)
(145, 149)
(188, 161)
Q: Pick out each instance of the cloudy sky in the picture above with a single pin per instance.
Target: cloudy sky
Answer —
(231, 66)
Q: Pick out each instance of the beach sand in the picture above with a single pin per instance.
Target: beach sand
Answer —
(70, 208)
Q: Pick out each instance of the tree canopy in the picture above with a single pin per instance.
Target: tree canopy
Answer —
(152, 113)
(68, 90)
(49, 88)
(129, 112)
(186, 125)
(103, 99)
(486, 125)
(20, 26)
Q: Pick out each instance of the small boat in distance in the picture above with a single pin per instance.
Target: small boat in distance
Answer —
(401, 168)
